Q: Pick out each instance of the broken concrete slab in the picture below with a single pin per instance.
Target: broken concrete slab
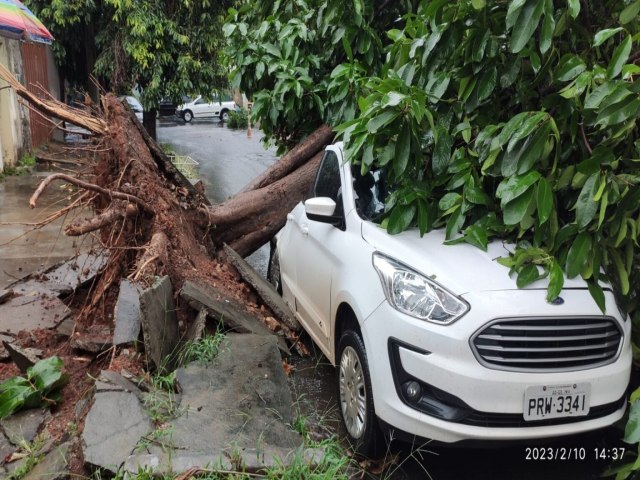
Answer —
(226, 309)
(267, 293)
(24, 426)
(92, 343)
(4, 294)
(63, 278)
(174, 462)
(4, 355)
(53, 466)
(159, 323)
(29, 312)
(239, 403)
(109, 381)
(6, 449)
(24, 358)
(196, 329)
(112, 429)
(66, 327)
(127, 314)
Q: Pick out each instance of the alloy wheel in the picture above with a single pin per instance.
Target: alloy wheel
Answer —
(353, 393)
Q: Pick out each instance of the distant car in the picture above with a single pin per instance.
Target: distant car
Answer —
(167, 108)
(135, 105)
(438, 341)
(219, 106)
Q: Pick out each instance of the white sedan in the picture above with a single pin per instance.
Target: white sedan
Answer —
(437, 341)
(200, 107)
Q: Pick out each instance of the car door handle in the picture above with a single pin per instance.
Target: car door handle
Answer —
(290, 216)
(304, 228)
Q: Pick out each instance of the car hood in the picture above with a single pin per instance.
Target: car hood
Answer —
(461, 268)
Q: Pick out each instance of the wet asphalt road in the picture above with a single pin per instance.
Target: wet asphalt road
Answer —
(227, 161)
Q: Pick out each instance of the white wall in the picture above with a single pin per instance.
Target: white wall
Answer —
(14, 117)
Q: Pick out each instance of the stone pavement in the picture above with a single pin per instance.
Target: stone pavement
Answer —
(21, 254)
(235, 413)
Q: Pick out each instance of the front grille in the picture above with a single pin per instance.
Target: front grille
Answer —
(548, 344)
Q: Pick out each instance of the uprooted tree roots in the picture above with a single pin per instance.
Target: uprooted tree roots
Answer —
(153, 221)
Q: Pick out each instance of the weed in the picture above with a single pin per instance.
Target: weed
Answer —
(27, 160)
(301, 425)
(204, 349)
(32, 454)
(160, 402)
(330, 462)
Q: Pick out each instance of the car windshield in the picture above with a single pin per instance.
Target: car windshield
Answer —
(371, 190)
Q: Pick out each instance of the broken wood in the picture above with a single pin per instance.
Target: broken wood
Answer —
(87, 186)
(226, 309)
(264, 289)
(54, 107)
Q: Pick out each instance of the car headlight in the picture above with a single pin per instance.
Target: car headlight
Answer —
(416, 295)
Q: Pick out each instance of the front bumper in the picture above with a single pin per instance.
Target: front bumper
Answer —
(486, 403)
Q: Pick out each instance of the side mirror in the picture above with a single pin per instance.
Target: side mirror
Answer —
(321, 209)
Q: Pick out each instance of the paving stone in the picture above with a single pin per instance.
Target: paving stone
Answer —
(24, 358)
(24, 425)
(165, 463)
(238, 403)
(65, 329)
(196, 329)
(30, 312)
(127, 314)
(4, 355)
(62, 278)
(53, 466)
(6, 448)
(159, 323)
(112, 429)
(91, 342)
(112, 381)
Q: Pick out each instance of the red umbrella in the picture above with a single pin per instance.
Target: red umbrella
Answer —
(17, 21)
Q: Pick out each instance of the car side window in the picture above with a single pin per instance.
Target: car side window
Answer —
(200, 101)
(328, 182)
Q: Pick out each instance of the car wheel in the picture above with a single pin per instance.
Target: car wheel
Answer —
(188, 116)
(224, 116)
(355, 396)
(273, 270)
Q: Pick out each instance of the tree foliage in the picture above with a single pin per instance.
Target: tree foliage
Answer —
(167, 48)
(516, 120)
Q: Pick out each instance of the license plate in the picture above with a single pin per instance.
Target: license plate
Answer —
(543, 402)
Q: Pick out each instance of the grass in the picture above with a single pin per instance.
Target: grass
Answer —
(32, 455)
(25, 164)
(204, 349)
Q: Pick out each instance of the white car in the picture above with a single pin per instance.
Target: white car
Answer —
(134, 104)
(219, 107)
(437, 341)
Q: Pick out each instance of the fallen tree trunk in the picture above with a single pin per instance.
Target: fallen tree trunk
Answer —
(155, 223)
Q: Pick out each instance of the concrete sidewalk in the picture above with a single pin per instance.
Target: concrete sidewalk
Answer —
(23, 249)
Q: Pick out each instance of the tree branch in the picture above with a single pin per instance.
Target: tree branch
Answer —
(87, 186)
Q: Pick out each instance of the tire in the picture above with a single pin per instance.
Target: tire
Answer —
(355, 397)
(224, 116)
(188, 116)
(273, 270)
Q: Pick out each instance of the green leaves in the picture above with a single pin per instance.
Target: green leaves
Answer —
(620, 57)
(579, 254)
(586, 206)
(525, 24)
(44, 378)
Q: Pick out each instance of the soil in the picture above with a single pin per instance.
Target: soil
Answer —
(121, 161)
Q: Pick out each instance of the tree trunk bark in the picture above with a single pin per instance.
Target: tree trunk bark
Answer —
(149, 122)
(297, 156)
